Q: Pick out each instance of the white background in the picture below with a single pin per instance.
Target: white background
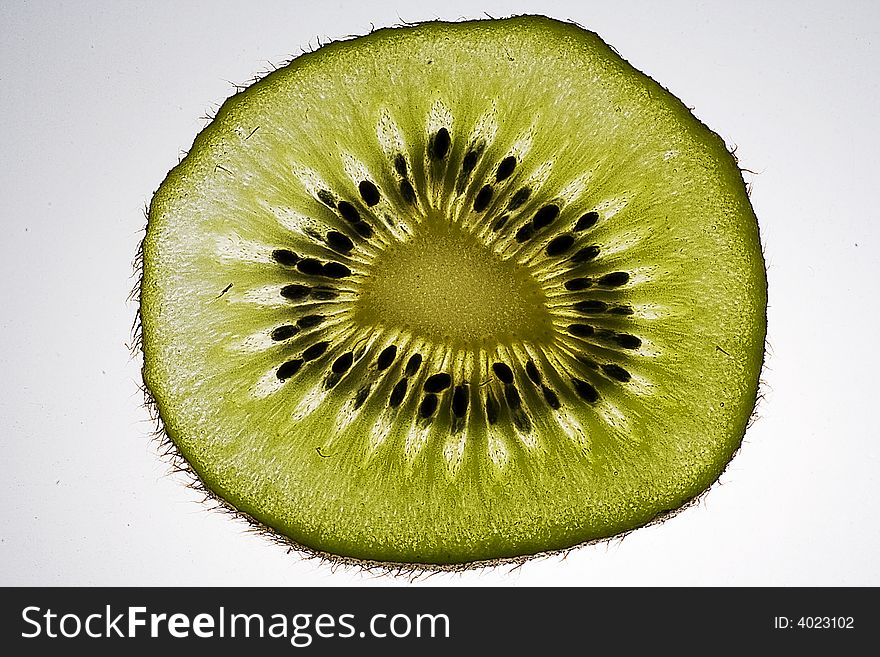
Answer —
(97, 101)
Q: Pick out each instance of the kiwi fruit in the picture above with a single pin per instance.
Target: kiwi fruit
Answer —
(454, 293)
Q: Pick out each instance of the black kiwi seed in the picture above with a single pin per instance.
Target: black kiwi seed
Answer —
(500, 223)
(315, 351)
(309, 321)
(576, 284)
(491, 408)
(585, 390)
(400, 164)
(288, 369)
(484, 196)
(614, 279)
(585, 254)
(533, 373)
(459, 401)
(503, 372)
(591, 306)
(520, 197)
(339, 242)
(398, 392)
(407, 191)
(283, 332)
(616, 372)
(437, 382)
(294, 292)
(326, 197)
(386, 357)
(559, 245)
(545, 216)
(469, 161)
(508, 164)
(335, 270)
(428, 406)
(440, 144)
(285, 257)
(525, 233)
(622, 310)
(369, 192)
(511, 395)
(349, 212)
(310, 266)
(363, 229)
(341, 364)
(551, 398)
(586, 221)
(581, 330)
(413, 364)
(628, 341)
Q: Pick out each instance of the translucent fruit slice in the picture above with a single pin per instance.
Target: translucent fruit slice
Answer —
(454, 293)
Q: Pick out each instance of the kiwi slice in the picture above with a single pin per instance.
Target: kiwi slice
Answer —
(453, 293)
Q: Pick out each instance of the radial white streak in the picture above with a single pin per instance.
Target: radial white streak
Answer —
(440, 116)
(573, 430)
(640, 275)
(268, 295)
(311, 180)
(497, 451)
(523, 144)
(453, 453)
(575, 188)
(234, 247)
(389, 135)
(529, 440)
(416, 439)
(309, 403)
(288, 218)
(355, 169)
(267, 385)
(379, 434)
(610, 207)
(486, 127)
(345, 416)
(540, 176)
(640, 386)
(612, 415)
(254, 343)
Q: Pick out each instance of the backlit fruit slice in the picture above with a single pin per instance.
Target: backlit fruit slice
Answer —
(453, 293)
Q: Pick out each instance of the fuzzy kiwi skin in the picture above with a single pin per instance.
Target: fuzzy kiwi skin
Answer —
(386, 532)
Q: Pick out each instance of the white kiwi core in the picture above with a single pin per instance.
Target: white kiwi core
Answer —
(446, 286)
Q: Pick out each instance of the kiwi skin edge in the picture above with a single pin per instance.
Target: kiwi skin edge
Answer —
(179, 464)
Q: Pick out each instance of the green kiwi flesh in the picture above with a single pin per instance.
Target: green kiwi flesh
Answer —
(454, 292)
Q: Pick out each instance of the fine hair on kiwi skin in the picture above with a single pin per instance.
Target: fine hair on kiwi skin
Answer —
(498, 377)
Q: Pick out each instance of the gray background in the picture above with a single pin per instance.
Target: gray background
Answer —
(97, 101)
